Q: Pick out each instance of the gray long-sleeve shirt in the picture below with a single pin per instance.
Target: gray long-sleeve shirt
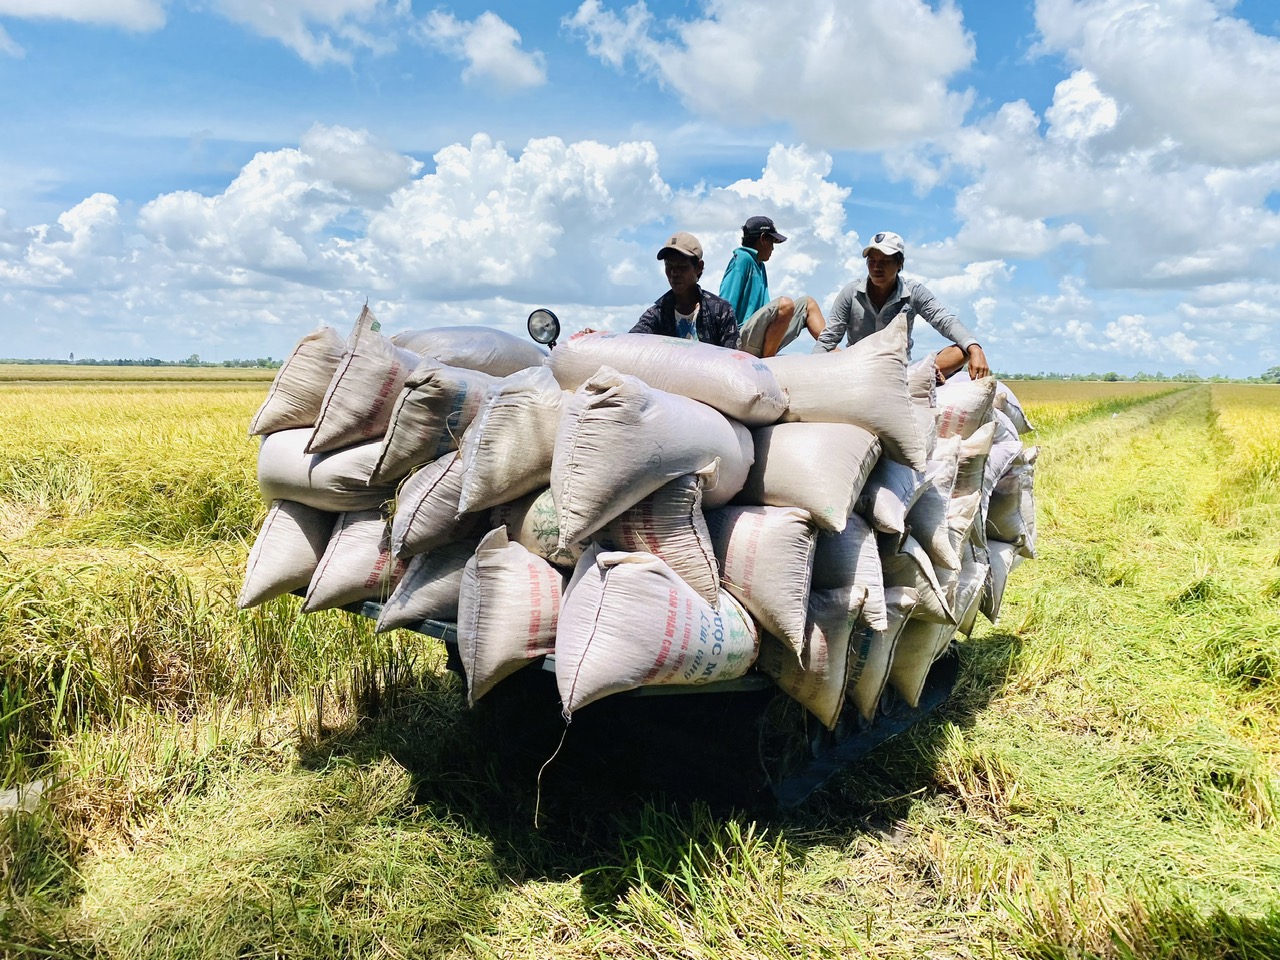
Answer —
(853, 316)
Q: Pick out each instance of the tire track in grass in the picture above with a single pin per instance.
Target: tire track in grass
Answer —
(1115, 771)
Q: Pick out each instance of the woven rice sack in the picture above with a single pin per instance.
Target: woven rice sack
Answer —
(975, 572)
(532, 522)
(508, 611)
(297, 392)
(1011, 512)
(429, 588)
(356, 564)
(620, 440)
(865, 691)
(766, 563)
(477, 348)
(865, 384)
(1008, 404)
(435, 407)
(357, 404)
(850, 558)
(889, 494)
(919, 645)
(286, 552)
(669, 524)
(629, 621)
(1004, 559)
(908, 565)
(964, 406)
(337, 482)
(737, 384)
(834, 655)
(426, 514)
(819, 467)
(507, 451)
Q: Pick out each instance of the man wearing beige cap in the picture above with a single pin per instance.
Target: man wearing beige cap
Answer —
(768, 324)
(686, 310)
(868, 305)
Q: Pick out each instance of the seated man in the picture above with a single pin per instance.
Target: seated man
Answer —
(686, 310)
(769, 324)
(865, 306)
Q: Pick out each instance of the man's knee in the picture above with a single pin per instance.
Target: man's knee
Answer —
(786, 310)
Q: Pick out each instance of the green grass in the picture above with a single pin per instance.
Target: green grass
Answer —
(1102, 784)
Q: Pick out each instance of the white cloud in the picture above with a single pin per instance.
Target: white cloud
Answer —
(862, 76)
(1183, 70)
(491, 48)
(1131, 335)
(1080, 111)
(8, 46)
(319, 31)
(130, 14)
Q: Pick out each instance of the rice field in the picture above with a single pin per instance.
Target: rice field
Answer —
(1105, 782)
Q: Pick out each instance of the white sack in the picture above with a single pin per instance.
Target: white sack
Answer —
(286, 552)
(766, 562)
(920, 644)
(429, 588)
(889, 494)
(476, 348)
(532, 522)
(669, 524)
(819, 467)
(435, 407)
(337, 482)
(964, 406)
(357, 404)
(737, 384)
(620, 440)
(356, 564)
(834, 655)
(1008, 404)
(974, 574)
(1004, 559)
(629, 621)
(908, 565)
(1011, 513)
(864, 384)
(851, 557)
(426, 514)
(865, 691)
(507, 451)
(297, 392)
(508, 610)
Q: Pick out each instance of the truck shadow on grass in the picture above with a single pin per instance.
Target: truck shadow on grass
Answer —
(636, 780)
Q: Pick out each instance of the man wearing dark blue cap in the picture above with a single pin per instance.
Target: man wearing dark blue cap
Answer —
(769, 324)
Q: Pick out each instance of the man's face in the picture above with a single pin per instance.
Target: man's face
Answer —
(882, 268)
(764, 247)
(682, 273)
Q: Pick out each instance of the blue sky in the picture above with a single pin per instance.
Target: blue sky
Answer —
(1091, 185)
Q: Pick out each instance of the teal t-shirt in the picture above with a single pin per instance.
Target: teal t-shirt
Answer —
(745, 283)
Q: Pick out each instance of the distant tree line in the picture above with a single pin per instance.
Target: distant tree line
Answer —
(191, 361)
(1187, 376)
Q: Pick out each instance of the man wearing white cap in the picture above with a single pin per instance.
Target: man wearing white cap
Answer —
(768, 324)
(868, 305)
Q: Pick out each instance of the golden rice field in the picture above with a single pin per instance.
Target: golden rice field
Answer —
(1105, 783)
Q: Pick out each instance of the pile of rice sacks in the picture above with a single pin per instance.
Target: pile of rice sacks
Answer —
(646, 510)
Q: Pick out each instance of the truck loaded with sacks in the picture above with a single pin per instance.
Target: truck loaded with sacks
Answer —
(629, 514)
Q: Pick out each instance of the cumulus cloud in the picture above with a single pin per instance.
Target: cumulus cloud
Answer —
(319, 31)
(1130, 334)
(491, 48)
(843, 75)
(130, 14)
(1185, 71)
